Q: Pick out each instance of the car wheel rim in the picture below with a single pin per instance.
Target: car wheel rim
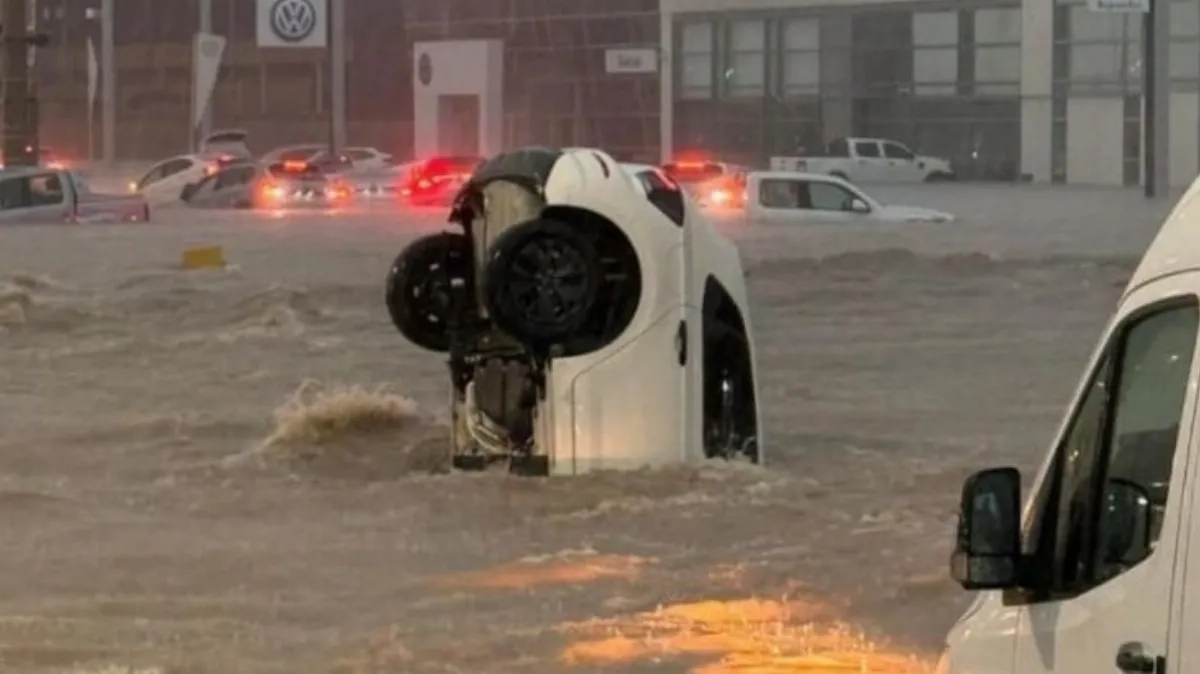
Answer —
(548, 282)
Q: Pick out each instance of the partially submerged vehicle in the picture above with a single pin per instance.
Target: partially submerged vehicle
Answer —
(593, 319)
(35, 194)
(1098, 573)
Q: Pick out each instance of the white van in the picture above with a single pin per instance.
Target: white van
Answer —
(1096, 577)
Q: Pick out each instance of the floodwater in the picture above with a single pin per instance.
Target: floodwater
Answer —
(191, 482)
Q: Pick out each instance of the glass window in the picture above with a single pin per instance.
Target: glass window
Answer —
(696, 37)
(1185, 60)
(1098, 62)
(152, 176)
(13, 193)
(45, 190)
(897, 151)
(802, 35)
(1185, 18)
(934, 29)
(997, 64)
(780, 193)
(696, 62)
(801, 73)
(935, 69)
(1123, 434)
(1089, 26)
(829, 197)
(176, 166)
(998, 26)
(696, 76)
(866, 148)
(746, 36)
(746, 72)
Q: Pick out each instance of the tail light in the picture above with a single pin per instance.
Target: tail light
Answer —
(292, 166)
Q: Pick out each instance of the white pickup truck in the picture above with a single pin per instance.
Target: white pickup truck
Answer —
(869, 160)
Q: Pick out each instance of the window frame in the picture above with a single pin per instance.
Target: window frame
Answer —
(1039, 541)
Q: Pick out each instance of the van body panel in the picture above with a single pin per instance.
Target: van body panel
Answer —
(1080, 632)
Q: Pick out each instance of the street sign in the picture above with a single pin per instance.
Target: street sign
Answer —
(1121, 6)
(630, 61)
(292, 23)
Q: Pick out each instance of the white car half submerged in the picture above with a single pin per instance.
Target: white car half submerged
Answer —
(781, 196)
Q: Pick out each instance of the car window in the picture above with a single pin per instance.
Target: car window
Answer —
(838, 147)
(866, 148)
(45, 189)
(152, 176)
(782, 193)
(897, 151)
(664, 194)
(829, 197)
(13, 193)
(1124, 432)
(174, 166)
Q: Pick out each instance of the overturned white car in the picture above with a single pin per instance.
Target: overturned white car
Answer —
(593, 319)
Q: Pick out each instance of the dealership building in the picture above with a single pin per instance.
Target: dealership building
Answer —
(1046, 89)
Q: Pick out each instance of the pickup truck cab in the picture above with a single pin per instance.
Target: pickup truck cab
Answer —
(38, 194)
(784, 197)
(869, 160)
(1102, 571)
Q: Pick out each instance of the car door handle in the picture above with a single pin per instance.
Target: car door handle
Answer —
(1132, 658)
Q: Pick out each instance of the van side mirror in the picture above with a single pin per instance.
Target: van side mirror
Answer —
(987, 549)
(1126, 523)
(859, 206)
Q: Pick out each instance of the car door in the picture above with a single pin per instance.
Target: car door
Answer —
(775, 197)
(1103, 528)
(868, 164)
(902, 165)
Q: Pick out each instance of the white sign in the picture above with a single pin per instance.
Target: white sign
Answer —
(207, 52)
(626, 61)
(292, 23)
(1132, 6)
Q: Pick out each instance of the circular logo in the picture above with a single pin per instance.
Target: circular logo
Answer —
(425, 69)
(293, 20)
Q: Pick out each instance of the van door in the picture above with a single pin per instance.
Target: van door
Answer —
(902, 166)
(1103, 528)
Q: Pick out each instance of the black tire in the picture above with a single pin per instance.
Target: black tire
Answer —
(541, 282)
(421, 290)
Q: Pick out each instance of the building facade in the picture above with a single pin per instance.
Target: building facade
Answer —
(556, 87)
(1045, 89)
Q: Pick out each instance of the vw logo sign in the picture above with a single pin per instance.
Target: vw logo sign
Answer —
(293, 20)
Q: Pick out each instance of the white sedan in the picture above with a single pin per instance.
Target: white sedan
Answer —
(164, 183)
(369, 158)
(781, 196)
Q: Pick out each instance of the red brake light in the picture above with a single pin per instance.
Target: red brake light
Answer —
(293, 166)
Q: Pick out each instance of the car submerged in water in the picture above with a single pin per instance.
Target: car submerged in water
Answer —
(592, 317)
(281, 185)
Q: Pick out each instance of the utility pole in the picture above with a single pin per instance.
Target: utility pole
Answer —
(206, 28)
(337, 75)
(1156, 144)
(108, 81)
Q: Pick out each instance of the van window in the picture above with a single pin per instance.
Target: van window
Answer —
(1125, 429)
(665, 196)
(12, 194)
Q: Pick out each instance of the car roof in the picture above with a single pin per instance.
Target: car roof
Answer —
(1176, 248)
(22, 171)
